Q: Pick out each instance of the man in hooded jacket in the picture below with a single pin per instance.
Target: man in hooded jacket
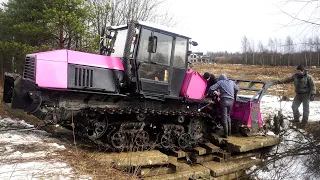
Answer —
(228, 90)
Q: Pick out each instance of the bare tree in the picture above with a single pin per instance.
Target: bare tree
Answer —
(271, 48)
(253, 48)
(310, 44)
(101, 14)
(280, 50)
(245, 48)
(305, 46)
(123, 11)
(307, 13)
(317, 48)
(289, 48)
(261, 51)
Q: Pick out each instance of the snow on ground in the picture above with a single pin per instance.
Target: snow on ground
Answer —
(272, 104)
(291, 167)
(30, 154)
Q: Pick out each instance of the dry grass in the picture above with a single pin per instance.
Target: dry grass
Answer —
(260, 73)
(86, 163)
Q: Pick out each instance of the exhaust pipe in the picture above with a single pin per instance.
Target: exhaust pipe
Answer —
(127, 53)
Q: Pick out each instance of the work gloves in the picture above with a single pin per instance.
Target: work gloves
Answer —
(312, 96)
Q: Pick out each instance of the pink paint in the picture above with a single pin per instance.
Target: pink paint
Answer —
(193, 86)
(55, 55)
(81, 58)
(52, 66)
(243, 111)
(51, 74)
(95, 60)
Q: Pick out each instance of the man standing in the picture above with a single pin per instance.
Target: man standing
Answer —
(228, 90)
(305, 92)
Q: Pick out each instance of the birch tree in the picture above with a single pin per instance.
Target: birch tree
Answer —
(289, 48)
(317, 48)
(245, 48)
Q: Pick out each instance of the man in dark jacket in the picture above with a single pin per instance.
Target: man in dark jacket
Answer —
(228, 89)
(305, 92)
(211, 80)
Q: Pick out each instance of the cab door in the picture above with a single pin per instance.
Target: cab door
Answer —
(154, 65)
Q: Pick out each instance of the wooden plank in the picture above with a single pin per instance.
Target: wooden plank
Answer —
(201, 159)
(179, 154)
(211, 148)
(231, 176)
(130, 159)
(218, 159)
(197, 159)
(180, 166)
(155, 171)
(220, 169)
(196, 172)
(199, 150)
(244, 144)
(239, 156)
(172, 159)
(225, 155)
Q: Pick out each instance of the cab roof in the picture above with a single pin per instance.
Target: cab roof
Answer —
(155, 26)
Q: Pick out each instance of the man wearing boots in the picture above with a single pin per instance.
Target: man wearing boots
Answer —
(228, 90)
(305, 92)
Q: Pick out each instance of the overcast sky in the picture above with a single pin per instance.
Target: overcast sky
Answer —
(219, 25)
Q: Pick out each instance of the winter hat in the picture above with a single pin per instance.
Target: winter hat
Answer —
(206, 75)
(300, 67)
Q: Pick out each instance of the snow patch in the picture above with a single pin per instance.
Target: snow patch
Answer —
(57, 146)
(8, 122)
(30, 154)
(270, 105)
(36, 170)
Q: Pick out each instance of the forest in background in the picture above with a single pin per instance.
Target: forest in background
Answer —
(39, 25)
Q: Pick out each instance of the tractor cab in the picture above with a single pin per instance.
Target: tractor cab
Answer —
(154, 57)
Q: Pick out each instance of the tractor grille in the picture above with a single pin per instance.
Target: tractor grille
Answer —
(83, 77)
(29, 68)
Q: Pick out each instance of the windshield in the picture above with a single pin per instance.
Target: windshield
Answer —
(180, 52)
(164, 47)
(120, 43)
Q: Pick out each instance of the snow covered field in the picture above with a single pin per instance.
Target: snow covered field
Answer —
(30, 154)
(34, 155)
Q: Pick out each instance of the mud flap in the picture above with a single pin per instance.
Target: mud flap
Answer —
(24, 96)
(8, 89)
